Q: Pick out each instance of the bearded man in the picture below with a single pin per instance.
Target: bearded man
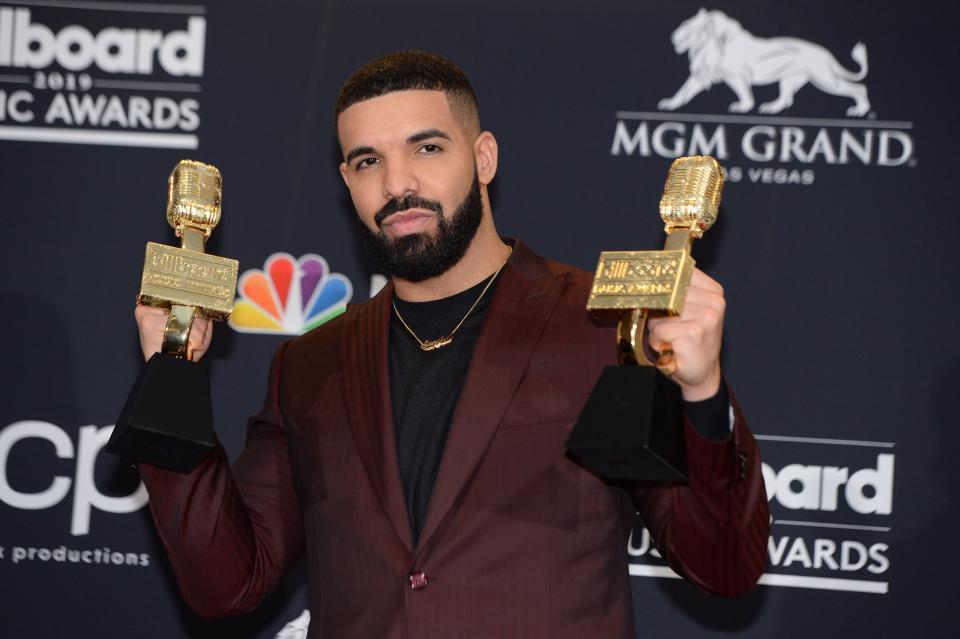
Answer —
(414, 446)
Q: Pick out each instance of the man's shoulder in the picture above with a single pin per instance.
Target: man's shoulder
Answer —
(327, 338)
(320, 352)
(578, 276)
(531, 261)
(327, 332)
(572, 338)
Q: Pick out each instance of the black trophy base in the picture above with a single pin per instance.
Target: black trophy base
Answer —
(632, 427)
(167, 420)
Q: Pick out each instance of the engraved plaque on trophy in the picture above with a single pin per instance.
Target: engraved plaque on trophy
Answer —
(632, 427)
(167, 419)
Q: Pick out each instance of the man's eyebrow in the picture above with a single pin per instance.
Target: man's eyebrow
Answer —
(357, 151)
(426, 134)
(419, 136)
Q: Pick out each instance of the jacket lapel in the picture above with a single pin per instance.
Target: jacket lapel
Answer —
(366, 383)
(522, 305)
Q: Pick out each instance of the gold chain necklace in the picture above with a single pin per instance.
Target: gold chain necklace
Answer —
(440, 342)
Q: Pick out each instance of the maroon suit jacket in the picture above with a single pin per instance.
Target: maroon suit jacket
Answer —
(519, 541)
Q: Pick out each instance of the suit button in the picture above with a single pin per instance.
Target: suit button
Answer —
(418, 580)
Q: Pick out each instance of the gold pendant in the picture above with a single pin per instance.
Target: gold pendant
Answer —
(436, 344)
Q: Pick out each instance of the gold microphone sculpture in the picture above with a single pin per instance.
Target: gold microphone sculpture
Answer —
(632, 425)
(167, 419)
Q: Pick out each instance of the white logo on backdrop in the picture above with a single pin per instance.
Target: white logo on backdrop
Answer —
(86, 495)
(763, 144)
(830, 523)
(720, 50)
(56, 489)
(297, 628)
(92, 81)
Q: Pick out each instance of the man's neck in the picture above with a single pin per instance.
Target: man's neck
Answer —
(484, 256)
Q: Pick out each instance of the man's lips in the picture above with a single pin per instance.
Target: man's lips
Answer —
(408, 221)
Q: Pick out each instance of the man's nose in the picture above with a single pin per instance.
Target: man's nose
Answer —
(399, 180)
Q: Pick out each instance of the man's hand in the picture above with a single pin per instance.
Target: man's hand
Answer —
(151, 322)
(695, 338)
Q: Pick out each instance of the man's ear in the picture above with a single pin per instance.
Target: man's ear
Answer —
(343, 173)
(485, 154)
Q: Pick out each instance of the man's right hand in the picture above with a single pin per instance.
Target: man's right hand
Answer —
(151, 321)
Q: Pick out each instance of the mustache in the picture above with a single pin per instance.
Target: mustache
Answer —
(402, 204)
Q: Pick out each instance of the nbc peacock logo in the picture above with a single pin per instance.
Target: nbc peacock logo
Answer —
(289, 296)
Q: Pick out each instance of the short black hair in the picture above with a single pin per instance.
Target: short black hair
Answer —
(410, 70)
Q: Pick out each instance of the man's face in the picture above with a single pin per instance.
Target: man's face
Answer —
(410, 167)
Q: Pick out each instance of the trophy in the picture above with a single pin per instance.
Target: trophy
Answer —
(632, 425)
(167, 419)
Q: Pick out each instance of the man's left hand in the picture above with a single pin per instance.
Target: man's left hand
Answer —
(695, 338)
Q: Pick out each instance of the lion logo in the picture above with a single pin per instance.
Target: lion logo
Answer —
(720, 50)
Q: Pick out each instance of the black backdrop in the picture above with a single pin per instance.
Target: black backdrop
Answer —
(835, 244)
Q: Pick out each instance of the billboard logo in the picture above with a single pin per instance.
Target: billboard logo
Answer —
(35, 46)
(720, 50)
(814, 487)
(289, 296)
(831, 505)
(77, 73)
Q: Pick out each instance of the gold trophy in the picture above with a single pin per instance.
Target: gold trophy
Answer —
(632, 425)
(167, 419)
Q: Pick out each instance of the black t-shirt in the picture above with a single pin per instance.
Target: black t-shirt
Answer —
(425, 387)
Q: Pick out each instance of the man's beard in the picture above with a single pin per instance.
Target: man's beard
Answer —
(418, 257)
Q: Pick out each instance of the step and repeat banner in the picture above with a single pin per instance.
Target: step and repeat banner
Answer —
(836, 124)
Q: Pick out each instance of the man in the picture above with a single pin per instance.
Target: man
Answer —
(414, 446)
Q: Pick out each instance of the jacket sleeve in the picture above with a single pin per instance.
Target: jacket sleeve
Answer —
(713, 531)
(231, 536)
